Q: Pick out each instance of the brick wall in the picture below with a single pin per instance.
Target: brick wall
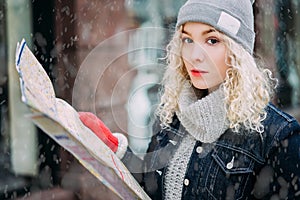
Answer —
(91, 75)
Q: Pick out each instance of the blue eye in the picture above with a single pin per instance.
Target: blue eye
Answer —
(187, 40)
(213, 41)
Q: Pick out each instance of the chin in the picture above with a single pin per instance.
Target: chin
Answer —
(200, 86)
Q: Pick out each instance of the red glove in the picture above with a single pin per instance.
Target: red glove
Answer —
(98, 127)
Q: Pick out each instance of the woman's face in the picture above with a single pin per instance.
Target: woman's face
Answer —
(203, 54)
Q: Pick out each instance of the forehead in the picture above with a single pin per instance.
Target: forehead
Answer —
(197, 26)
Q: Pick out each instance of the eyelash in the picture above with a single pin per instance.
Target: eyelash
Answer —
(186, 40)
(213, 39)
(209, 41)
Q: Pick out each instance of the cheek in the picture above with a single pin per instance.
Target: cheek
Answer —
(185, 54)
(185, 64)
(221, 65)
(185, 60)
(222, 68)
(183, 57)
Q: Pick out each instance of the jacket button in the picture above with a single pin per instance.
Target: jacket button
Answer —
(199, 149)
(173, 142)
(186, 182)
(230, 164)
(159, 172)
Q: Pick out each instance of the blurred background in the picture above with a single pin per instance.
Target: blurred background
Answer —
(78, 42)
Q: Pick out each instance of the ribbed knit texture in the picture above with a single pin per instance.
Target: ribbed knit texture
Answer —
(232, 17)
(205, 119)
(176, 170)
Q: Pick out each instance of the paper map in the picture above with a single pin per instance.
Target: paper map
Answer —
(61, 122)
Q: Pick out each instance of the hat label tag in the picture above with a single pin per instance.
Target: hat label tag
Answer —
(229, 23)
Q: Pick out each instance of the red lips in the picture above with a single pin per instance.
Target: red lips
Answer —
(197, 73)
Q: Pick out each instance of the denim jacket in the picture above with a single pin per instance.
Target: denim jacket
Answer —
(237, 166)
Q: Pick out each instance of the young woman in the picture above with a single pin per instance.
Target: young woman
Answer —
(217, 136)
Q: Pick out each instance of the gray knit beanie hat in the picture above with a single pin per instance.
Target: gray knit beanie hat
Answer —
(232, 17)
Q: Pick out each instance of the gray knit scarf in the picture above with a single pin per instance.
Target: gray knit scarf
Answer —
(205, 118)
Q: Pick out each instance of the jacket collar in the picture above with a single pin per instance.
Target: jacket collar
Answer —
(244, 141)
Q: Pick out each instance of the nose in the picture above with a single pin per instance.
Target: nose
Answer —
(198, 53)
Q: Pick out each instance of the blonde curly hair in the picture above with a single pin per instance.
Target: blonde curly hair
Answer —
(248, 87)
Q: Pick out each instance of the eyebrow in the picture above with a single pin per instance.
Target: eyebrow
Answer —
(203, 33)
